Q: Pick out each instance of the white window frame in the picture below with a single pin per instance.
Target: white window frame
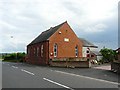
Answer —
(37, 51)
(55, 51)
(42, 50)
(34, 51)
(76, 51)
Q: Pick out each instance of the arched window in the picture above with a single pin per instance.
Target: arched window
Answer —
(34, 51)
(37, 51)
(28, 51)
(41, 50)
(76, 51)
(55, 50)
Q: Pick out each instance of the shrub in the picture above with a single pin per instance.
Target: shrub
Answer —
(15, 56)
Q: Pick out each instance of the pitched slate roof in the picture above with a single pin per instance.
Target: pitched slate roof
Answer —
(87, 43)
(46, 34)
(96, 53)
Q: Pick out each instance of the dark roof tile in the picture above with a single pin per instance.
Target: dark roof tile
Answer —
(87, 43)
(46, 34)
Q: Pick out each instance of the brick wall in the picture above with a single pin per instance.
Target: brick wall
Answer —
(66, 41)
(34, 56)
(84, 64)
(66, 48)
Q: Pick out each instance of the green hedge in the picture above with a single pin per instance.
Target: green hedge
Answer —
(15, 56)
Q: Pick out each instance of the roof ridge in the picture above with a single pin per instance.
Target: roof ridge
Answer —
(46, 34)
(54, 27)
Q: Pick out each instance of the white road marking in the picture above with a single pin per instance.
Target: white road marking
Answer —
(14, 67)
(86, 77)
(27, 72)
(58, 83)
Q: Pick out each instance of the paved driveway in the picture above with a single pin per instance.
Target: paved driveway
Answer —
(103, 67)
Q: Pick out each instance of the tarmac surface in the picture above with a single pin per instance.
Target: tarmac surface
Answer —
(22, 75)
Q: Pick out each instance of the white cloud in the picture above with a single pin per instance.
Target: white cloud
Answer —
(96, 28)
(25, 19)
(5, 24)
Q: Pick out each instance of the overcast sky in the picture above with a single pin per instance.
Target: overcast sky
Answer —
(23, 20)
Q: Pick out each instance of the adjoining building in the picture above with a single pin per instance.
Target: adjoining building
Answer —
(87, 48)
(57, 46)
(96, 55)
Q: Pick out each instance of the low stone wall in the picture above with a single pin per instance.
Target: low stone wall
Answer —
(72, 62)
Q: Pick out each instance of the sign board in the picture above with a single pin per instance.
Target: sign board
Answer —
(66, 39)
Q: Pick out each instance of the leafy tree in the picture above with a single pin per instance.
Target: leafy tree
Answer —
(108, 54)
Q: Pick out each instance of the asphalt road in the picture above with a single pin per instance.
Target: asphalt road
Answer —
(21, 75)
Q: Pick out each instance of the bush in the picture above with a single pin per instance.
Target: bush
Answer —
(15, 56)
(101, 61)
(11, 57)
